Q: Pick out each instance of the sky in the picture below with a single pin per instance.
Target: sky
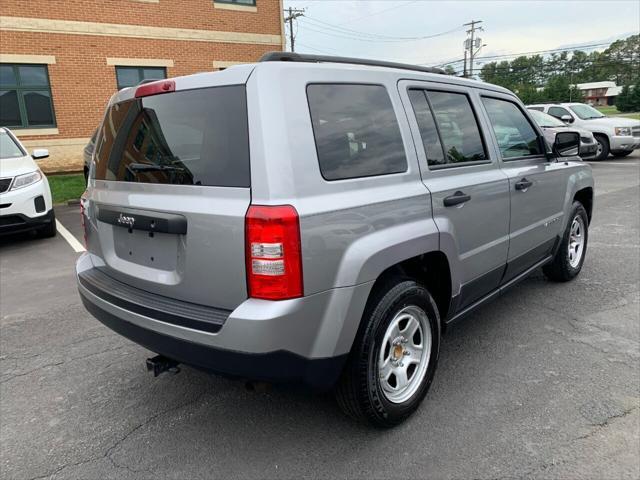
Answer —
(394, 30)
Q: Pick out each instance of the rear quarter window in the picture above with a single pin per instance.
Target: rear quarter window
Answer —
(356, 131)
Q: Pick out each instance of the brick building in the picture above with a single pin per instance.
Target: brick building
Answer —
(60, 61)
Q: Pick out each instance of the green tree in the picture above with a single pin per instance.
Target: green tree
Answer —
(528, 93)
(449, 70)
(635, 96)
(620, 62)
(623, 100)
(560, 89)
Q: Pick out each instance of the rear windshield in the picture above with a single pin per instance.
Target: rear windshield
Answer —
(191, 137)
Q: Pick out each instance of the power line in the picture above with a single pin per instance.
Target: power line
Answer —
(312, 47)
(569, 49)
(564, 49)
(378, 12)
(373, 36)
(358, 38)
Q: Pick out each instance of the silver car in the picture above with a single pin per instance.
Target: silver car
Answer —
(321, 220)
(551, 126)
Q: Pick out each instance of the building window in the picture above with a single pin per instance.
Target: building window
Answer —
(131, 76)
(25, 96)
(249, 3)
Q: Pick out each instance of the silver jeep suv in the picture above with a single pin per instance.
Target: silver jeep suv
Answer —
(321, 220)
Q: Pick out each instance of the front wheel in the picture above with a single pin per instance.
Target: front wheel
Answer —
(602, 151)
(567, 262)
(394, 356)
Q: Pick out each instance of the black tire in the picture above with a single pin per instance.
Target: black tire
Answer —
(359, 392)
(603, 146)
(49, 230)
(561, 268)
(621, 154)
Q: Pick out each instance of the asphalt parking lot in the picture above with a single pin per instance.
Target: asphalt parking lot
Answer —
(542, 383)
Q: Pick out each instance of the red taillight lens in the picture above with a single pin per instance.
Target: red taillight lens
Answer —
(274, 261)
(84, 225)
(155, 88)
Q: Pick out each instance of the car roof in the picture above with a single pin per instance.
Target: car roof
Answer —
(239, 74)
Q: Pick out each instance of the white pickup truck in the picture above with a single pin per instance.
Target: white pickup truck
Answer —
(616, 135)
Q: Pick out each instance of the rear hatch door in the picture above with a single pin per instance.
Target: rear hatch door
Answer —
(171, 190)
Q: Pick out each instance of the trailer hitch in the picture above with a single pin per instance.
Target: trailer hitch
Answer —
(160, 364)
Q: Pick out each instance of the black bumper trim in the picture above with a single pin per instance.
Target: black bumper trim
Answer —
(17, 222)
(176, 312)
(280, 366)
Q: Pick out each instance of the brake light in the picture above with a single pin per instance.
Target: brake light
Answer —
(155, 88)
(82, 222)
(274, 261)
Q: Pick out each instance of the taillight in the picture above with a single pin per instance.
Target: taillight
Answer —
(274, 261)
(155, 88)
(82, 222)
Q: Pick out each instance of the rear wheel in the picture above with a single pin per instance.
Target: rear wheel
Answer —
(603, 147)
(621, 154)
(569, 258)
(394, 357)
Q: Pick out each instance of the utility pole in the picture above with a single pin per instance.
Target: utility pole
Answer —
(293, 14)
(464, 70)
(472, 45)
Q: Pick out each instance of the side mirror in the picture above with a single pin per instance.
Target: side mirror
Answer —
(567, 144)
(40, 153)
(567, 118)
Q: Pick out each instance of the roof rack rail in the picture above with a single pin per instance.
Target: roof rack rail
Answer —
(297, 57)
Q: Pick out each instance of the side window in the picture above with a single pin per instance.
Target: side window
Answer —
(458, 127)
(356, 131)
(558, 112)
(427, 127)
(516, 137)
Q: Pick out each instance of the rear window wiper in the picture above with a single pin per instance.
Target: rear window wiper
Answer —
(152, 167)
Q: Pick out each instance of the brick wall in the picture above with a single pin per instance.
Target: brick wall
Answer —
(195, 14)
(81, 80)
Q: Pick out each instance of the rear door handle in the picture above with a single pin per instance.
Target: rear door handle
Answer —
(456, 199)
(523, 184)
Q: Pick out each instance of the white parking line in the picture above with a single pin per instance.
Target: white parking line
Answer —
(71, 240)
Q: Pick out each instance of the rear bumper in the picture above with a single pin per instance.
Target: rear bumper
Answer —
(280, 366)
(301, 340)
